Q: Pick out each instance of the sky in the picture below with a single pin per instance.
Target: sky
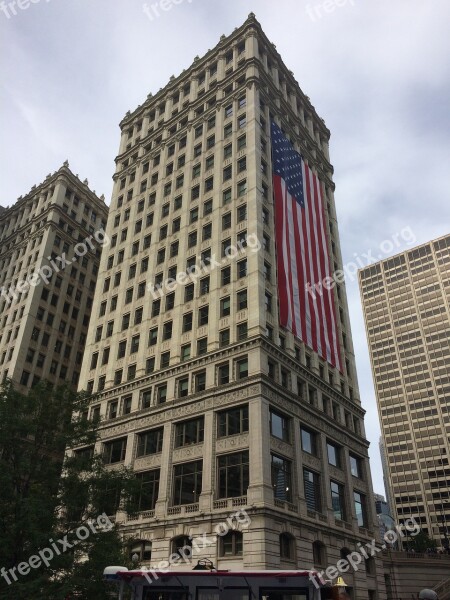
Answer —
(377, 72)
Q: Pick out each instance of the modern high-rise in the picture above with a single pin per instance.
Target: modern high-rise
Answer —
(406, 306)
(215, 406)
(45, 294)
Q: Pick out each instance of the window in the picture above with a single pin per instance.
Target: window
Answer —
(355, 466)
(153, 336)
(287, 547)
(200, 381)
(223, 372)
(150, 365)
(189, 292)
(226, 196)
(281, 478)
(242, 268)
(319, 554)
(187, 322)
(226, 221)
(337, 500)
(334, 455)
(165, 359)
(149, 442)
(202, 346)
(204, 285)
(167, 330)
(203, 314)
(242, 213)
(231, 544)
(242, 188)
(241, 297)
(161, 393)
(225, 306)
(183, 387)
(227, 173)
(233, 421)
(308, 439)
(360, 508)
(187, 482)
(242, 331)
(279, 426)
(114, 451)
(224, 338)
(311, 481)
(225, 276)
(147, 493)
(233, 474)
(126, 405)
(207, 207)
(242, 368)
(189, 432)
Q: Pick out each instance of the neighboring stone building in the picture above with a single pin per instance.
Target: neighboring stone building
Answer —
(407, 573)
(406, 301)
(43, 326)
(215, 406)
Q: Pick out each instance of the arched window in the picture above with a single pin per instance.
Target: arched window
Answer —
(287, 548)
(231, 544)
(345, 552)
(179, 543)
(319, 554)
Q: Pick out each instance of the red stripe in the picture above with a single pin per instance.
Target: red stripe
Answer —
(301, 280)
(309, 258)
(315, 249)
(328, 343)
(281, 274)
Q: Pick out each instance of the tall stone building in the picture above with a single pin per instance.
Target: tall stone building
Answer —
(215, 406)
(406, 307)
(45, 294)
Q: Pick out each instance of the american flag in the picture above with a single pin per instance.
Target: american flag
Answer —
(306, 306)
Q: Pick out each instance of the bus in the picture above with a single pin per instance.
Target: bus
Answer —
(203, 583)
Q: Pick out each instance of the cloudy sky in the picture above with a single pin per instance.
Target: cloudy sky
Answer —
(378, 72)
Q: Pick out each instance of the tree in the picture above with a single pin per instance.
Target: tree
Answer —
(48, 502)
(421, 543)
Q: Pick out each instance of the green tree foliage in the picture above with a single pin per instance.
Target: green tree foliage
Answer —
(46, 498)
(421, 543)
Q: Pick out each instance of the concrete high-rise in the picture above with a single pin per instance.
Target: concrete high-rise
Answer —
(406, 306)
(45, 294)
(214, 405)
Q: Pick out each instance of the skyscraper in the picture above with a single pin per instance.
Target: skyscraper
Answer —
(215, 406)
(406, 308)
(45, 295)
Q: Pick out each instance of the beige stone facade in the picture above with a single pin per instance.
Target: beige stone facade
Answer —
(406, 307)
(43, 325)
(214, 405)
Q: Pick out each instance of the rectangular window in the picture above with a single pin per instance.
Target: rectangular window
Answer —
(334, 455)
(114, 451)
(308, 439)
(311, 483)
(233, 475)
(149, 442)
(281, 478)
(337, 500)
(233, 421)
(355, 466)
(279, 426)
(187, 485)
(147, 491)
(189, 432)
(360, 509)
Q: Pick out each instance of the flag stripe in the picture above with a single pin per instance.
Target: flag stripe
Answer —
(306, 305)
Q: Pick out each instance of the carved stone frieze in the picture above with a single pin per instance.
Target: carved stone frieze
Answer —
(282, 447)
(233, 441)
(194, 451)
(144, 462)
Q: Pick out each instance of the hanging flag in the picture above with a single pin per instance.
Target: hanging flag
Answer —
(303, 264)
